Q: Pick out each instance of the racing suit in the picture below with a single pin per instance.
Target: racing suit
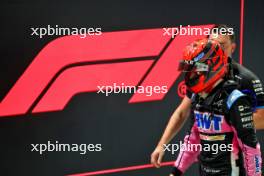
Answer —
(224, 120)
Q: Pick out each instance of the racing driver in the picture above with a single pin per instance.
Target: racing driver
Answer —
(247, 80)
(221, 115)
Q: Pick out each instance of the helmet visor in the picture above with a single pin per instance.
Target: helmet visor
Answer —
(191, 66)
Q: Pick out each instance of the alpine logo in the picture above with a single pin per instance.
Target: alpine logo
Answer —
(70, 65)
(257, 163)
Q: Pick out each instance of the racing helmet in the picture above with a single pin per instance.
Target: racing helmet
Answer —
(204, 63)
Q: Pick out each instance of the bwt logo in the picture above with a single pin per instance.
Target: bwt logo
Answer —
(206, 122)
(70, 65)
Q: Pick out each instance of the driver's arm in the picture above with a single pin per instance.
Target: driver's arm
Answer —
(174, 125)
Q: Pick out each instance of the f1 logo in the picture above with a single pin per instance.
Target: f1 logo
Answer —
(70, 65)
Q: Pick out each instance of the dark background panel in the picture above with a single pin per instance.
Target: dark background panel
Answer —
(128, 132)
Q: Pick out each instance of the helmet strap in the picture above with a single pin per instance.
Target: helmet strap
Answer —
(230, 74)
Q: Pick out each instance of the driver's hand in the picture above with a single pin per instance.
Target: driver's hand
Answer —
(156, 156)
